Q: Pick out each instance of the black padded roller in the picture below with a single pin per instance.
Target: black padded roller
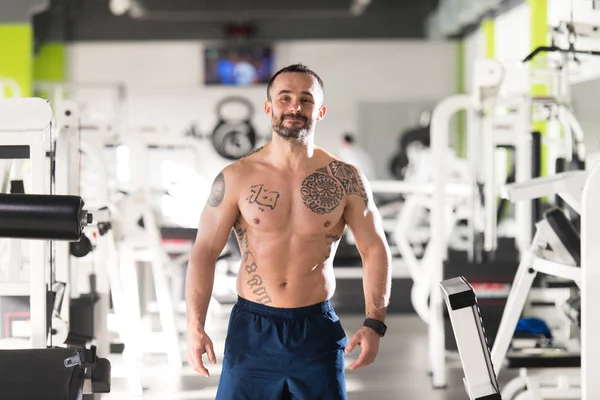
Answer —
(566, 232)
(51, 373)
(42, 217)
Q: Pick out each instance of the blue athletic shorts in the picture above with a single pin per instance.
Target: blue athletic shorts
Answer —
(283, 353)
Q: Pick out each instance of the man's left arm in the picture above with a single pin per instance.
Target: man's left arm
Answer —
(363, 219)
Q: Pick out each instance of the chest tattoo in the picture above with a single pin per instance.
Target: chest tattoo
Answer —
(323, 190)
(265, 198)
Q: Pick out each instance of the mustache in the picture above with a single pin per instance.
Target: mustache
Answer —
(302, 117)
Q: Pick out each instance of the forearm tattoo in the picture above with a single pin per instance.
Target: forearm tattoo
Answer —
(323, 190)
(217, 191)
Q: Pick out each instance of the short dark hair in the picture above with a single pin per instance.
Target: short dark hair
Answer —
(348, 138)
(300, 68)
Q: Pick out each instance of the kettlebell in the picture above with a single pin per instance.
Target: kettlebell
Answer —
(234, 138)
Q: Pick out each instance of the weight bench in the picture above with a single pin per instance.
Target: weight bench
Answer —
(53, 373)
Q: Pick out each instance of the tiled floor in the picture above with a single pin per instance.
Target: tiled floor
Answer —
(400, 371)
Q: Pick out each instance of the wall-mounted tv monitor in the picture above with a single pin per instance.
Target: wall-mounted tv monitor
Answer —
(238, 65)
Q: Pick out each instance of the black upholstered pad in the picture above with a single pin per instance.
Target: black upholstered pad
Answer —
(548, 359)
(566, 232)
(38, 216)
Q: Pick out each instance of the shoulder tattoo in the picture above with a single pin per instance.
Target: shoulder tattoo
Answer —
(217, 191)
(323, 190)
(350, 179)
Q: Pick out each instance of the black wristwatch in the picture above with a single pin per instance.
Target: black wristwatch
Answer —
(376, 325)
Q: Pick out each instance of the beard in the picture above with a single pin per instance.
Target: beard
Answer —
(298, 131)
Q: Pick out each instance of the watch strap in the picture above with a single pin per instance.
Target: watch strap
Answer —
(376, 325)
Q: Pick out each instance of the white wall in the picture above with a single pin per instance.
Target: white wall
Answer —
(474, 50)
(512, 45)
(164, 80)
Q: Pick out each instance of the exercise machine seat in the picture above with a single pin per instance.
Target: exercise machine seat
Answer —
(566, 232)
(42, 217)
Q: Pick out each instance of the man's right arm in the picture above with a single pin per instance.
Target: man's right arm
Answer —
(216, 222)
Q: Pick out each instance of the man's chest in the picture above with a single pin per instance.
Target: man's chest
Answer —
(314, 201)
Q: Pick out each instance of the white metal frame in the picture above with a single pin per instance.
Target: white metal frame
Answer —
(557, 262)
(439, 143)
(590, 282)
(419, 196)
(145, 244)
(586, 276)
(106, 258)
(567, 185)
(126, 327)
(526, 273)
(489, 76)
(27, 122)
(66, 175)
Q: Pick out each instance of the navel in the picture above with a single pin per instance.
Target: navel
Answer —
(327, 223)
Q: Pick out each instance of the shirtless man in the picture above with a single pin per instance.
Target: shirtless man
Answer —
(288, 202)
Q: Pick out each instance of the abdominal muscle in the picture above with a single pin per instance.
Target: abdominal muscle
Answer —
(286, 273)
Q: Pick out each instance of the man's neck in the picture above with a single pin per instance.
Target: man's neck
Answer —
(291, 154)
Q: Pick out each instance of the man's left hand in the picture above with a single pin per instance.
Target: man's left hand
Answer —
(368, 340)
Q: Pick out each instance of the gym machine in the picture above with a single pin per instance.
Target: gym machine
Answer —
(492, 115)
(557, 250)
(126, 233)
(138, 238)
(42, 219)
(481, 146)
(95, 253)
